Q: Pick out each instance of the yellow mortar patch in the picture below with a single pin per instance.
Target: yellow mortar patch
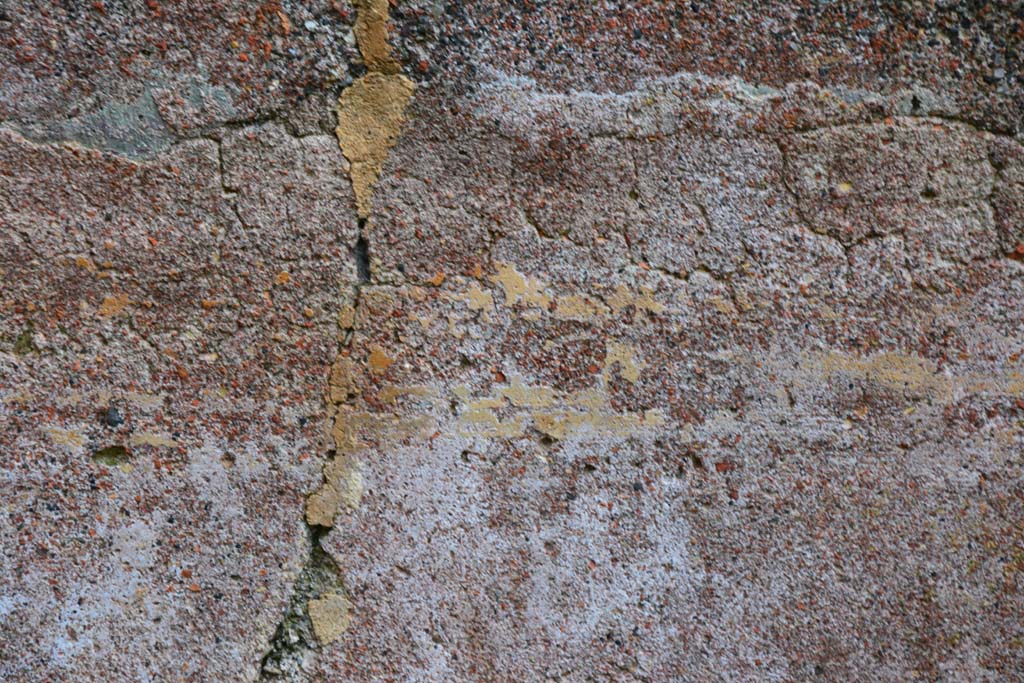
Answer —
(518, 287)
(352, 427)
(343, 485)
(576, 307)
(370, 116)
(914, 373)
(588, 409)
(151, 439)
(85, 263)
(559, 424)
(891, 369)
(371, 31)
(478, 299)
(65, 437)
(523, 396)
(343, 478)
(378, 360)
(390, 394)
(347, 318)
(486, 404)
(113, 304)
(590, 399)
(371, 110)
(531, 292)
(622, 298)
(342, 381)
(331, 616)
(624, 355)
(483, 422)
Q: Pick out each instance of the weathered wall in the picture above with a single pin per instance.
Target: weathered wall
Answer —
(511, 341)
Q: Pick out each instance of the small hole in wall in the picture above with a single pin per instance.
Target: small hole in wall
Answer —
(915, 103)
(929, 193)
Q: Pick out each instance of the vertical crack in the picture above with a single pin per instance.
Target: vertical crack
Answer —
(370, 115)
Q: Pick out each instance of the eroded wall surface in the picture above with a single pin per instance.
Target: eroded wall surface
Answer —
(431, 341)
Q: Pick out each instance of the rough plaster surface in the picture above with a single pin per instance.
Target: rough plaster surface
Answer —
(619, 342)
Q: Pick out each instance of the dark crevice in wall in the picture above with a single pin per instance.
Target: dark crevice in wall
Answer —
(293, 648)
(362, 254)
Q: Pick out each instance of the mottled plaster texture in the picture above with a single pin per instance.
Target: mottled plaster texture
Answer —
(431, 341)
